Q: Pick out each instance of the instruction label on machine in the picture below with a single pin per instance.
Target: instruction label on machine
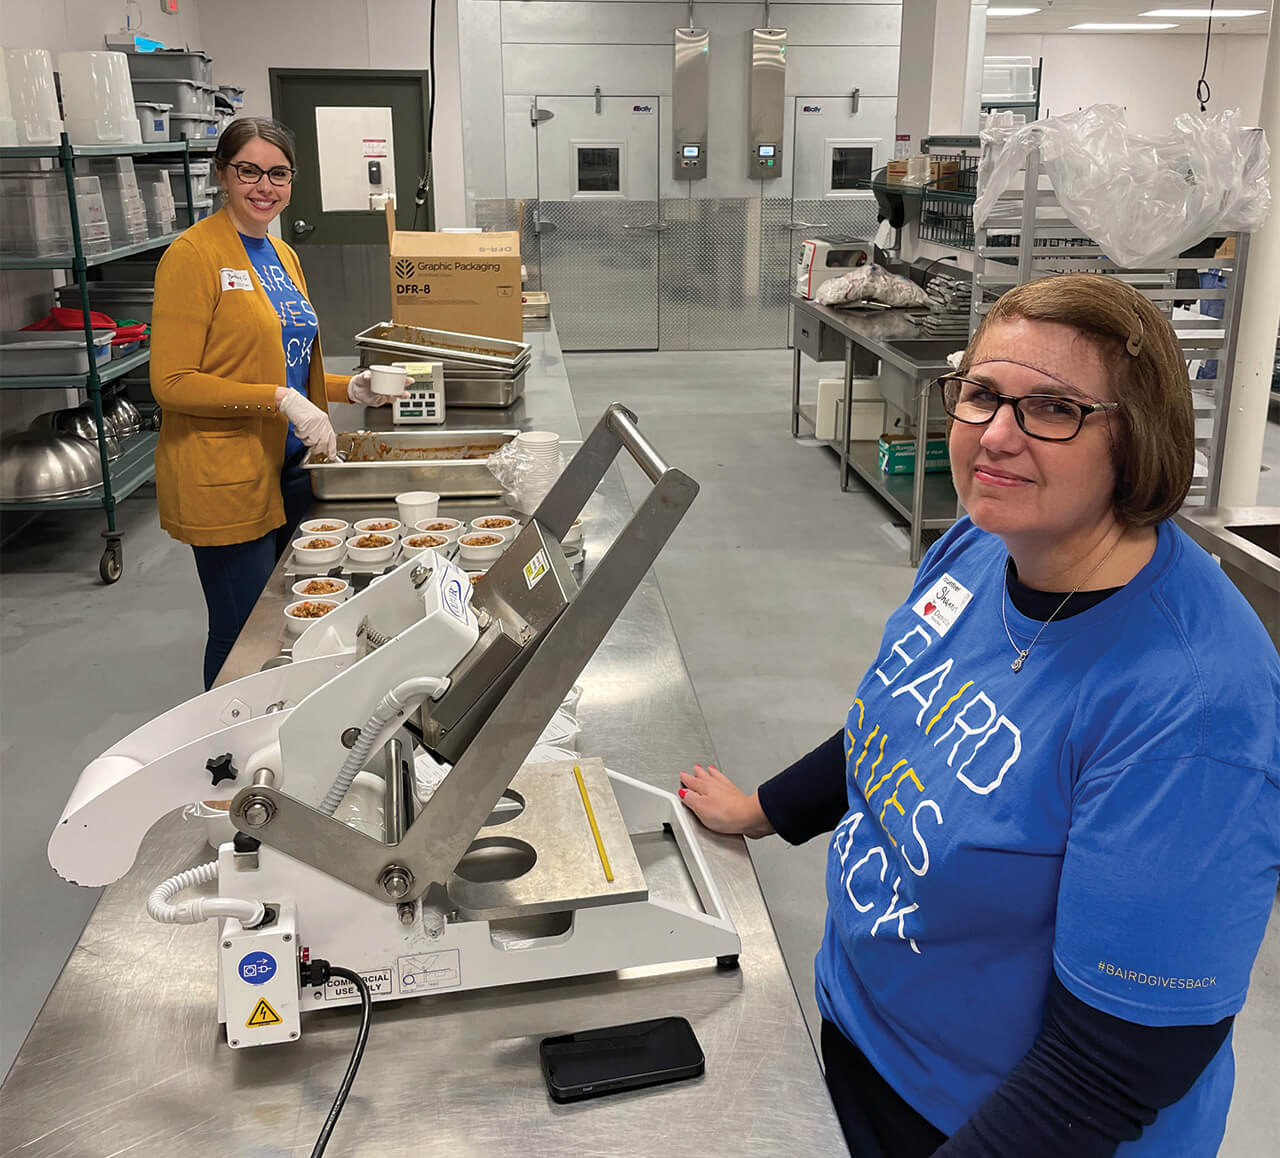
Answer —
(378, 980)
(423, 972)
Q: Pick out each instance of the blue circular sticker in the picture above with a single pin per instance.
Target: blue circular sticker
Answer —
(257, 968)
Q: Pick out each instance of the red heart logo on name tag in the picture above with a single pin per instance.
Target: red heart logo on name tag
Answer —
(930, 608)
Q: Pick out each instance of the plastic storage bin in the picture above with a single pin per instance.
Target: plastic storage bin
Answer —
(43, 352)
(153, 120)
(194, 128)
(116, 299)
(188, 97)
(33, 96)
(97, 99)
(166, 64)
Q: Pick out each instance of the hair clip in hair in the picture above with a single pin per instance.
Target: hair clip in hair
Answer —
(1134, 344)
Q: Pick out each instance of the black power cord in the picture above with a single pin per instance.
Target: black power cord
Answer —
(1203, 92)
(424, 186)
(316, 973)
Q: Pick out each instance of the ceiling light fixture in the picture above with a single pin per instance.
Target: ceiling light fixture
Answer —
(1121, 27)
(1011, 11)
(1205, 13)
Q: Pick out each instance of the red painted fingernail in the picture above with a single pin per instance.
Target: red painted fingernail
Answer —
(682, 792)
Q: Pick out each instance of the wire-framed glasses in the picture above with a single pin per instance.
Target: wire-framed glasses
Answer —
(250, 174)
(1050, 417)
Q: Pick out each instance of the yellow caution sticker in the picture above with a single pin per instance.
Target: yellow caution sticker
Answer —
(262, 1016)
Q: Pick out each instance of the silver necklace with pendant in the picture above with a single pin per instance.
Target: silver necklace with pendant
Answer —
(1023, 652)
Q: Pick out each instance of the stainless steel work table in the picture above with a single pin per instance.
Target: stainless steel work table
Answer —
(127, 1058)
(926, 501)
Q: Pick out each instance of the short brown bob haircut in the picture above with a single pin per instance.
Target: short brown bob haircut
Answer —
(1153, 443)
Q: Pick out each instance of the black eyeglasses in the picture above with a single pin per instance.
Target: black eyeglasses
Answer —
(250, 174)
(1049, 417)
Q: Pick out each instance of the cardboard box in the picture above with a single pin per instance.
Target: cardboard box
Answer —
(944, 174)
(897, 454)
(465, 282)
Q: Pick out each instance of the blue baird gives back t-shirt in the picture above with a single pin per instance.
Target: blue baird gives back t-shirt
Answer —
(298, 323)
(1112, 812)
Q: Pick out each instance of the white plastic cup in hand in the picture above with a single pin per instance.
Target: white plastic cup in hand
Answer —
(388, 380)
(416, 506)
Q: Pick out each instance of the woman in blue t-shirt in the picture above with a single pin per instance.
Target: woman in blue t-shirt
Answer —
(236, 368)
(1055, 801)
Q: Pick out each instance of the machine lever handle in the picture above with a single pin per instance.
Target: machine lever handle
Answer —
(622, 422)
(652, 226)
(794, 225)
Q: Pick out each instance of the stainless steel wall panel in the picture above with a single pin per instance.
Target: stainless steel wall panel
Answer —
(727, 311)
(854, 217)
(766, 143)
(572, 69)
(828, 25)
(822, 69)
(602, 276)
(571, 22)
(675, 287)
(777, 272)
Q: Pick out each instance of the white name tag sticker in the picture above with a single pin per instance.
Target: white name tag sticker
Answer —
(942, 606)
(236, 279)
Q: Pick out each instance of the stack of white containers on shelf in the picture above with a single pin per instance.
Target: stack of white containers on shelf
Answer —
(157, 195)
(97, 98)
(203, 187)
(539, 467)
(126, 213)
(33, 99)
(8, 126)
(182, 80)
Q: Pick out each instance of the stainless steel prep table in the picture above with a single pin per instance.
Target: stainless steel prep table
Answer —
(927, 502)
(127, 1057)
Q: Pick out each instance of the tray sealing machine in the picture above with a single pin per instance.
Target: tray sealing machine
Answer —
(509, 872)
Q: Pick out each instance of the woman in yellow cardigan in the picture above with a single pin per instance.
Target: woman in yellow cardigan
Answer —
(236, 368)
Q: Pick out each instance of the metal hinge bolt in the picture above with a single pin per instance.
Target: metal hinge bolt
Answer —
(396, 881)
(258, 811)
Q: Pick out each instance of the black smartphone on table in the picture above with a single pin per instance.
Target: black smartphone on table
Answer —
(620, 1057)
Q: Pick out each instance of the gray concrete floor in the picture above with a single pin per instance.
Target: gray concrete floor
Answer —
(777, 584)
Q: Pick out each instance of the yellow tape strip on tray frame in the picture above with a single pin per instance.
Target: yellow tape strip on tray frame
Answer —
(595, 828)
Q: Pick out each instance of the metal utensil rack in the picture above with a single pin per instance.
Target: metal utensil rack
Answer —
(1028, 236)
(136, 463)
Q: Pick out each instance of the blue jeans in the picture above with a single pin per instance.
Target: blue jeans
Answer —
(233, 576)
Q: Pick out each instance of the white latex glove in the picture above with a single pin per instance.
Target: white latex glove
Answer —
(361, 392)
(310, 423)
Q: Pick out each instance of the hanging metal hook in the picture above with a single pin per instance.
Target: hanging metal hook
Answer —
(690, 14)
(767, 19)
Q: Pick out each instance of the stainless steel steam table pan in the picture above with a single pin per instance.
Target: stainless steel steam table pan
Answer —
(417, 342)
(380, 464)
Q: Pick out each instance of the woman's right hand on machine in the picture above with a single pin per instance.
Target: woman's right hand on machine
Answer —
(310, 423)
(721, 805)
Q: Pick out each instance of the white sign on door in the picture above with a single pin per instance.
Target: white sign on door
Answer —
(357, 157)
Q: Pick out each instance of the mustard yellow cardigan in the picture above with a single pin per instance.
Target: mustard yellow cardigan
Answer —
(216, 360)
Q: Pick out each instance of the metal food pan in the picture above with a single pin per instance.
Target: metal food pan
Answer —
(417, 342)
(376, 357)
(380, 464)
(489, 395)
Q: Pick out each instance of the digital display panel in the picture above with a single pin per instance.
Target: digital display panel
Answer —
(691, 150)
(767, 150)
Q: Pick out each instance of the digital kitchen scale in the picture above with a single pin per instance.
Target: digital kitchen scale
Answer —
(425, 403)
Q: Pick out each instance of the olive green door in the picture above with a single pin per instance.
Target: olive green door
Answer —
(332, 221)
